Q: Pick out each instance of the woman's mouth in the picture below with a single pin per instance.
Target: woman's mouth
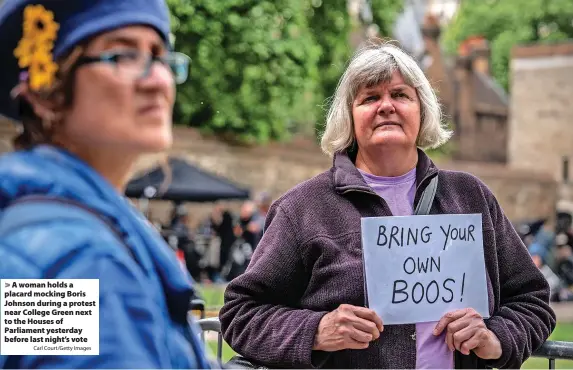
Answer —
(153, 108)
(387, 124)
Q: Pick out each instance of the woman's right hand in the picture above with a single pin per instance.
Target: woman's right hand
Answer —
(347, 327)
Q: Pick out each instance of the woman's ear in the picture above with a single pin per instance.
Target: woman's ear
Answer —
(42, 107)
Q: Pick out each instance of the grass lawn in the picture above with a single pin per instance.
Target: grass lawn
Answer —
(212, 294)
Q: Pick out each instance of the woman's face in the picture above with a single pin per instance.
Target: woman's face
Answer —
(115, 110)
(387, 114)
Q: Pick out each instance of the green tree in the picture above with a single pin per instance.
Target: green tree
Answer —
(254, 65)
(505, 23)
(384, 14)
(330, 23)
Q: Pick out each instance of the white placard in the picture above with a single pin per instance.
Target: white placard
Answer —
(49, 317)
(417, 268)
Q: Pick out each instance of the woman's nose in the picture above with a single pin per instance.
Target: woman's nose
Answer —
(158, 76)
(386, 107)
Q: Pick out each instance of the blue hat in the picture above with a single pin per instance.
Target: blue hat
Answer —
(58, 26)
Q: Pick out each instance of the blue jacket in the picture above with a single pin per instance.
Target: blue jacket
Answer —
(144, 297)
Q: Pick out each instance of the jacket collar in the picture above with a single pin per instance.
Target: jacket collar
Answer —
(347, 177)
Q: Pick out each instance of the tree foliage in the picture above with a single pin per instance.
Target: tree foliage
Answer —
(331, 26)
(505, 23)
(261, 69)
(384, 14)
(252, 61)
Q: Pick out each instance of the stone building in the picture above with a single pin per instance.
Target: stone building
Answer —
(476, 106)
(541, 123)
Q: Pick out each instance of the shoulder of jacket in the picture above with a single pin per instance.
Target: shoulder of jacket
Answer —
(39, 246)
(462, 180)
(313, 187)
(306, 197)
(466, 188)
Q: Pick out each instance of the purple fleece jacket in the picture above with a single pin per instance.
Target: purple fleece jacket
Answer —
(309, 261)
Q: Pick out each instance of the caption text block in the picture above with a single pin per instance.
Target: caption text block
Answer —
(49, 317)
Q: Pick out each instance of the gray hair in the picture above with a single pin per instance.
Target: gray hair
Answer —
(372, 64)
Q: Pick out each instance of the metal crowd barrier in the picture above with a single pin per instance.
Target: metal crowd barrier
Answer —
(555, 350)
(213, 324)
(210, 324)
(551, 350)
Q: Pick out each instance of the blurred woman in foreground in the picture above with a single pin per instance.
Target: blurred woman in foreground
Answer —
(93, 85)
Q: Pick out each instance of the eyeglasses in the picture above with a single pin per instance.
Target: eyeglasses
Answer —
(136, 64)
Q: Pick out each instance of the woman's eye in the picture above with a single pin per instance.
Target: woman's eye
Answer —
(371, 98)
(127, 56)
(401, 95)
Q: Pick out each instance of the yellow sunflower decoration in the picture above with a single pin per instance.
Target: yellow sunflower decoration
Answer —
(34, 50)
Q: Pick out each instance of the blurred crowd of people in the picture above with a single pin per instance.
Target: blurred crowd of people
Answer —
(552, 251)
(220, 247)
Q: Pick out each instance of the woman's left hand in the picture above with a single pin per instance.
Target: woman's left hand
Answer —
(466, 331)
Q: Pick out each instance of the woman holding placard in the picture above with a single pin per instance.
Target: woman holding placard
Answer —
(92, 86)
(302, 301)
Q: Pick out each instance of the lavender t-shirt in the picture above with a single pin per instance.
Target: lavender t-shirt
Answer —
(431, 352)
